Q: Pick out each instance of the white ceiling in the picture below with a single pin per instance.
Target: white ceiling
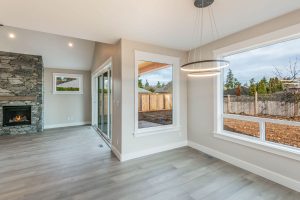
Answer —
(168, 23)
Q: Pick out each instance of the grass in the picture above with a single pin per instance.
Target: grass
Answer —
(66, 89)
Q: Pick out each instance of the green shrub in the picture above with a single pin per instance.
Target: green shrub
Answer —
(66, 89)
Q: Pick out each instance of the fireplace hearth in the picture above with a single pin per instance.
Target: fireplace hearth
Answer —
(16, 115)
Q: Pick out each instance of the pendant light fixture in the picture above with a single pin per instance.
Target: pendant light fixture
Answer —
(201, 67)
(204, 74)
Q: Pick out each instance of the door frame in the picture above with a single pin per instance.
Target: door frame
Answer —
(106, 66)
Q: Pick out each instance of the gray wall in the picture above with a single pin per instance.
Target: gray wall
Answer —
(123, 64)
(64, 109)
(131, 143)
(101, 54)
(53, 48)
(201, 107)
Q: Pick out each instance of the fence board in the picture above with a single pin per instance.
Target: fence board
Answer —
(168, 101)
(155, 102)
(145, 102)
(160, 102)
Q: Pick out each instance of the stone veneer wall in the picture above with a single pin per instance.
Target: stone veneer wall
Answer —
(21, 75)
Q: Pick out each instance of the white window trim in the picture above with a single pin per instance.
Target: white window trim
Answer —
(174, 61)
(79, 76)
(282, 35)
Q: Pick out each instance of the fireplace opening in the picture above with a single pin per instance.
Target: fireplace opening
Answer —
(16, 115)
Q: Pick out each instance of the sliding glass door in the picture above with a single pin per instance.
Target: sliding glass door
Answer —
(104, 103)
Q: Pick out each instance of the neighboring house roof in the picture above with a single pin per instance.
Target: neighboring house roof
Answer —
(165, 89)
(142, 90)
(292, 85)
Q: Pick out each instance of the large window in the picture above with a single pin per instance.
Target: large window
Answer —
(261, 94)
(155, 94)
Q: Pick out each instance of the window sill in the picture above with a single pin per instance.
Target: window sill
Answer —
(156, 130)
(269, 147)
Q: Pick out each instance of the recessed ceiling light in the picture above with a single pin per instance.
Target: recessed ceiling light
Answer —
(70, 44)
(11, 35)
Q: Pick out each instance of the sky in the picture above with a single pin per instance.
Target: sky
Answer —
(261, 62)
(163, 76)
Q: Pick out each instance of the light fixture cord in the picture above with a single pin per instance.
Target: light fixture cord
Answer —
(198, 21)
(194, 35)
(197, 35)
(201, 32)
(214, 20)
(211, 24)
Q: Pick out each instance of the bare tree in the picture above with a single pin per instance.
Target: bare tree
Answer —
(289, 72)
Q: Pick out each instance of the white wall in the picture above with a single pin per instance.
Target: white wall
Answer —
(66, 109)
(201, 109)
(53, 48)
(133, 146)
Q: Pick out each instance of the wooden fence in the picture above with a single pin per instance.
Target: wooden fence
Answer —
(253, 106)
(155, 102)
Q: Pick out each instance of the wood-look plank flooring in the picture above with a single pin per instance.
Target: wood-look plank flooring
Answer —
(68, 164)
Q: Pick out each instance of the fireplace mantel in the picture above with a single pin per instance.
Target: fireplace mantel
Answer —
(17, 98)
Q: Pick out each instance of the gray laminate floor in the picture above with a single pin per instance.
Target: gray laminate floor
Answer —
(68, 164)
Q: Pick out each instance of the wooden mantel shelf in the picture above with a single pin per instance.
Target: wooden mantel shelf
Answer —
(17, 98)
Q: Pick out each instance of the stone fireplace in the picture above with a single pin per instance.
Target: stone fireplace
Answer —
(21, 93)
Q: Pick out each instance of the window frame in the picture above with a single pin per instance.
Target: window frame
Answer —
(174, 61)
(256, 143)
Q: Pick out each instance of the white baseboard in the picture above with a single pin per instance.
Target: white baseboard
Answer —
(66, 125)
(130, 156)
(116, 152)
(273, 176)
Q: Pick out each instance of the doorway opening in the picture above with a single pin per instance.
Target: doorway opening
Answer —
(104, 104)
(102, 101)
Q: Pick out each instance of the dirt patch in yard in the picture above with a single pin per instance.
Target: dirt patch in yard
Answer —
(283, 134)
(242, 127)
(278, 133)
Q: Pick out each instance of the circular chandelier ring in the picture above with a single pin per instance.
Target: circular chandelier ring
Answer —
(189, 69)
(204, 74)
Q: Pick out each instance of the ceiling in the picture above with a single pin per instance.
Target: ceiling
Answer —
(168, 23)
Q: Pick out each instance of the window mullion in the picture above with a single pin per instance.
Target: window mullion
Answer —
(262, 130)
